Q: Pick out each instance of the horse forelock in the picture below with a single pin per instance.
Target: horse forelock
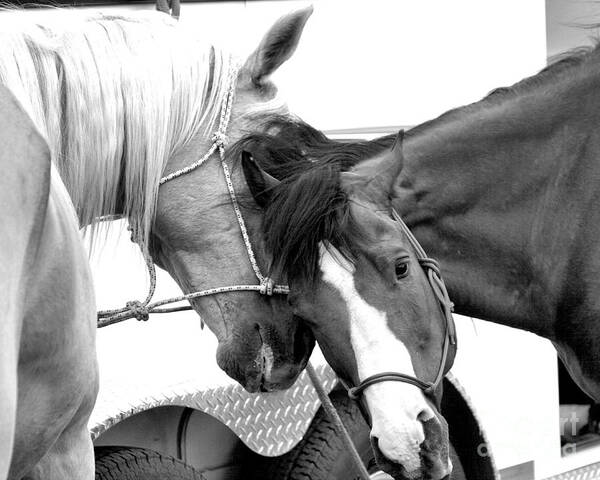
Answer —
(309, 206)
(115, 97)
(307, 210)
(285, 146)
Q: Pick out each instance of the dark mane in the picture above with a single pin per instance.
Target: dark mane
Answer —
(305, 209)
(563, 62)
(285, 147)
(309, 206)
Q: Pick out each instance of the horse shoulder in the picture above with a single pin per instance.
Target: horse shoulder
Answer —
(24, 188)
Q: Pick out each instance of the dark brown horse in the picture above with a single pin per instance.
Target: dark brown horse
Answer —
(357, 280)
(505, 194)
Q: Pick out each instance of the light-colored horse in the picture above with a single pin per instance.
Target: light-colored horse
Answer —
(48, 370)
(122, 101)
(126, 100)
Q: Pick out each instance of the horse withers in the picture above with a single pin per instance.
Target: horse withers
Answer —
(356, 279)
(48, 370)
(124, 101)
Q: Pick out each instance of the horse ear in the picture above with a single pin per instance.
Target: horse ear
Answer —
(277, 46)
(388, 166)
(375, 177)
(398, 144)
(261, 184)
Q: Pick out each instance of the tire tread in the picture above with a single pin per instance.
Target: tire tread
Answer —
(318, 449)
(124, 463)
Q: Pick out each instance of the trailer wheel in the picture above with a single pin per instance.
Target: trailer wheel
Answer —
(322, 456)
(124, 463)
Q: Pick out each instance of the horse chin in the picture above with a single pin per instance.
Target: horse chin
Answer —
(281, 372)
(244, 365)
(395, 470)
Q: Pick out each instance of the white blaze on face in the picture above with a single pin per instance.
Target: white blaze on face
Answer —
(397, 409)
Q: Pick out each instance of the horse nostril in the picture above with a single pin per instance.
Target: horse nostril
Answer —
(259, 332)
(425, 415)
(303, 345)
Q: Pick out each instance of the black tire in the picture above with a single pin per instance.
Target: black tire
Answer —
(123, 463)
(322, 456)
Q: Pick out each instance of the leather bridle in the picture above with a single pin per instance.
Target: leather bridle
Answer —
(432, 270)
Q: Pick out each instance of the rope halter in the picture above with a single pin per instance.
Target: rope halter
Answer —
(265, 285)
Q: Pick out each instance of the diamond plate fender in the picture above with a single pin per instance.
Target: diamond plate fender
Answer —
(170, 362)
(590, 472)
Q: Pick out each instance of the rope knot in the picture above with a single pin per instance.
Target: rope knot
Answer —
(138, 310)
(135, 238)
(219, 139)
(266, 286)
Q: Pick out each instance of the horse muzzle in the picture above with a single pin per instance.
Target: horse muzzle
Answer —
(261, 362)
(429, 460)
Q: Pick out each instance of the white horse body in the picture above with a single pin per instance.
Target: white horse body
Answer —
(49, 374)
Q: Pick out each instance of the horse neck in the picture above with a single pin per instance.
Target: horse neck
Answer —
(498, 193)
(116, 97)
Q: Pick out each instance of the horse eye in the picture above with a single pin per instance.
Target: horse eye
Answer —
(401, 268)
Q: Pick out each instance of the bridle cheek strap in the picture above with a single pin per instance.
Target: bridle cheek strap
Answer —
(432, 270)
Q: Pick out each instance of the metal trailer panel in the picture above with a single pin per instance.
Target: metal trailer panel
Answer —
(591, 472)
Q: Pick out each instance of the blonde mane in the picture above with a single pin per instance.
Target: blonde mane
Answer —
(115, 97)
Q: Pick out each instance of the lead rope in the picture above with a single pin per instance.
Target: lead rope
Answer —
(337, 421)
(142, 310)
